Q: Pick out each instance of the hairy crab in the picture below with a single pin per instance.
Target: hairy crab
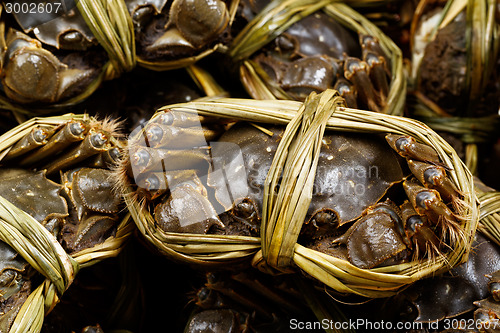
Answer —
(362, 188)
(50, 58)
(444, 79)
(65, 180)
(317, 53)
(58, 172)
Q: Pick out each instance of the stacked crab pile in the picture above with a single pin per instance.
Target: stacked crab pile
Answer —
(261, 142)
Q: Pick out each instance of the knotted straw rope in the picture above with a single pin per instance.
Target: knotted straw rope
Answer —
(41, 249)
(283, 213)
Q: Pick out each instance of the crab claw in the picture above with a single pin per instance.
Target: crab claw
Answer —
(418, 230)
(433, 176)
(156, 159)
(356, 71)
(407, 147)
(348, 91)
(370, 44)
(378, 74)
(173, 137)
(374, 240)
(428, 202)
(33, 74)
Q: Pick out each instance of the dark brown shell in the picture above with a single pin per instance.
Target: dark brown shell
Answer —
(33, 193)
(354, 170)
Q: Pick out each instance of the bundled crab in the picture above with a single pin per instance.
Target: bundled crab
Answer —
(59, 211)
(205, 197)
(290, 49)
(61, 55)
(52, 58)
(454, 71)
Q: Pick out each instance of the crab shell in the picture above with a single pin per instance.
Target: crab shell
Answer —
(317, 53)
(354, 171)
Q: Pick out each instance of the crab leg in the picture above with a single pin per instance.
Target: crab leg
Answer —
(348, 91)
(152, 159)
(378, 74)
(34, 139)
(428, 202)
(434, 177)
(182, 119)
(417, 228)
(407, 147)
(175, 137)
(71, 132)
(95, 142)
(356, 71)
(370, 44)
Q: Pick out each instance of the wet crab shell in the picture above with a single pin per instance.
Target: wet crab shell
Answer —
(343, 184)
(468, 281)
